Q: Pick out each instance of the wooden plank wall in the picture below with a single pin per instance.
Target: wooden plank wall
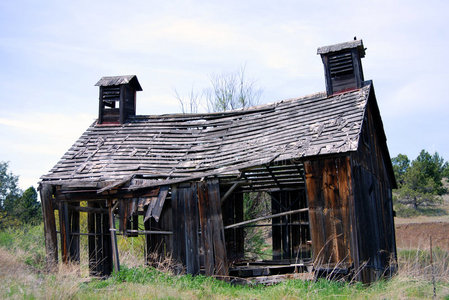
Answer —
(185, 227)
(212, 230)
(329, 192)
(374, 206)
(197, 206)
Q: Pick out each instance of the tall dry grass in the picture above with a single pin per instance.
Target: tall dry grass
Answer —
(22, 277)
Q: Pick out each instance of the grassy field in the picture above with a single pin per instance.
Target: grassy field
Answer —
(22, 277)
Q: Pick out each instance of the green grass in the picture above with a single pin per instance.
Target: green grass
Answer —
(27, 242)
(22, 276)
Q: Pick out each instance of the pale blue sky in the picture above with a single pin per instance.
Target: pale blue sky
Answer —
(53, 52)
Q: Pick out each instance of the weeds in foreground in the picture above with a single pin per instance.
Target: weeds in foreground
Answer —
(22, 256)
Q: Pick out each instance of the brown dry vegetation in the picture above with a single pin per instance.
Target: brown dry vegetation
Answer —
(416, 232)
(417, 235)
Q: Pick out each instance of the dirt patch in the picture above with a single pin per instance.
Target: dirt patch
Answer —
(416, 235)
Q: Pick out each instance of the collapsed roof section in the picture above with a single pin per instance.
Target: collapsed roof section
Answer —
(180, 147)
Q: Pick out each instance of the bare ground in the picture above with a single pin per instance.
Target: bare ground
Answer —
(417, 235)
(416, 232)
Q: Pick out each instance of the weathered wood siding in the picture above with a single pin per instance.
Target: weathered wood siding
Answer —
(373, 183)
(330, 198)
(197, 205)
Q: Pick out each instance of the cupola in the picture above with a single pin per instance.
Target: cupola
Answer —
(343, 66)
(117, 98)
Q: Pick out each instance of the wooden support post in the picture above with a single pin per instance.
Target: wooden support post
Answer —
(107, 257)
(74, 220)
(179, 243)
(191, 230)
(51, 241)
(112, 230)
(91, 239)
(276, 230)
(212, 229)
(64, 229)
(99, 261)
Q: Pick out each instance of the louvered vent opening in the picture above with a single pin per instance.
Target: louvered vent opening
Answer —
(340, 65)
(111, 96)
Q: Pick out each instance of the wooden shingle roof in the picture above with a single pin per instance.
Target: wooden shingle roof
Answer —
(182, 146)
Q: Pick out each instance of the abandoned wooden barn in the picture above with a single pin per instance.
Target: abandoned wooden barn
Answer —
(181, 180)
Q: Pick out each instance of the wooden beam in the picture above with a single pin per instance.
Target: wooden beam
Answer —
(88, 209)
(112, 229)
(151, 232)
(51, 240)
(91, 240)
(241, 224)
(64, 230)
(229, 192)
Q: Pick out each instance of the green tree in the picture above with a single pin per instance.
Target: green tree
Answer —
(9, 190)
(400, 166)
(417, 189)
(420, 182)
(16, 207)
(446, 170)
(27, 208)
(433, 167)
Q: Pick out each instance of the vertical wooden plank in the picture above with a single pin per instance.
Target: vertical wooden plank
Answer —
(64, 229)
(206, 230)
(182, 224)
(276, 230)
(316, 216)
(91, 240)
(191, 230)
(74, 237)
(174, 204)
(179, 242)
(99, 261)
(106, 244)
(148, 245)
(51, 241)
(219, 243)
(115, 257)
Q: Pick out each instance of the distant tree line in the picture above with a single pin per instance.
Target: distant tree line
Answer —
(17, 207)
(420, 181)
